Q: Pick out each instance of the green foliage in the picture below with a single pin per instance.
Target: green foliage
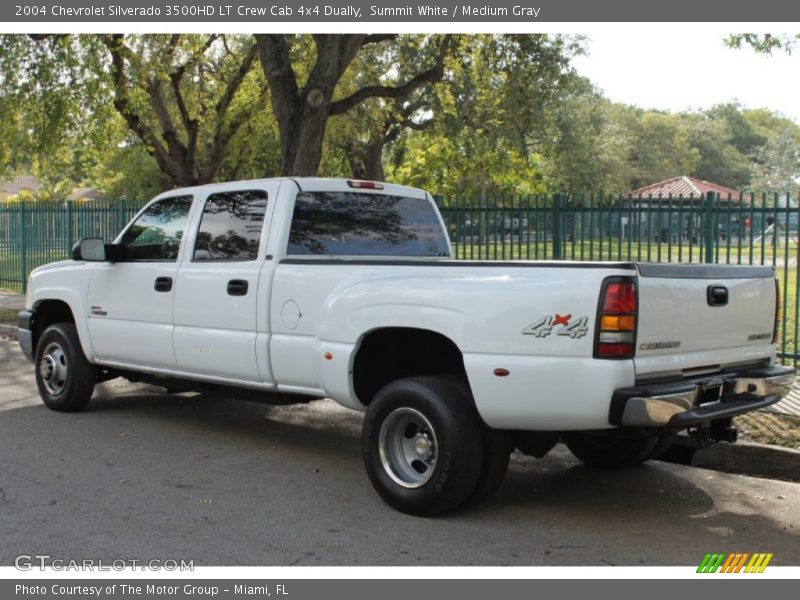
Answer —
(510, 115)
(53, 111)
(763, 42)
(778, 167)
(492, 117)
(76, 103)
(56, 192)
(131, 173)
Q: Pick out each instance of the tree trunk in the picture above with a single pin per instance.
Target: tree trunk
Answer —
(302, 113)
(366, 160)
(373, 161)
(301, 140)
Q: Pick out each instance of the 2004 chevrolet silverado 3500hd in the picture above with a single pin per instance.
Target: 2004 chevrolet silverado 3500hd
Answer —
(292, 289)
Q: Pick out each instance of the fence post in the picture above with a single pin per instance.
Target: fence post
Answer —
(710, 233)
(120, 219)
(70, 228)
(23, 248)
(558, 215)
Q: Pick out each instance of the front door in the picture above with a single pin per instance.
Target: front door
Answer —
(216, 297)
(131, 300)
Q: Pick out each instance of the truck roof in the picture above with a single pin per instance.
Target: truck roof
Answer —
(321, 184)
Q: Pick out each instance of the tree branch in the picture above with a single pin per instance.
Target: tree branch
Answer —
(122, 102)
(223, 135)
(431, 75)
(377, 38)
(273, 50)
(190, 124)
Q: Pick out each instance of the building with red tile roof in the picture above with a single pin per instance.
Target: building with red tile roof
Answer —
(687, 188)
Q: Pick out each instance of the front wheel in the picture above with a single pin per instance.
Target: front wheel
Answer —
(422, 445)
(610, 450)
(64, 376)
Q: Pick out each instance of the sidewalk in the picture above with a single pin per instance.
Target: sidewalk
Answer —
(12, 301)
(790, 405)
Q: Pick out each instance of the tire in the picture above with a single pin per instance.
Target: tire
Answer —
(663, 446)
(422, 445)
(63, 375)
(610, 451)
(497, 448)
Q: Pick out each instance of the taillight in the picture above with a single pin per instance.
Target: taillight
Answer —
(777, 311)
(616, 319)
(364, 185)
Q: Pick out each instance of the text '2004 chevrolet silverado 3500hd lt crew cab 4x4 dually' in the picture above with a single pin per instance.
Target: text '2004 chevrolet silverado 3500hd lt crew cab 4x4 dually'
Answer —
(292, 289)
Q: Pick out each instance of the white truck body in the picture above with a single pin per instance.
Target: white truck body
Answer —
(527, 332)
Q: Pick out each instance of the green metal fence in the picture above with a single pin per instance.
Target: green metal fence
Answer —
(751, 229)
(33, 234)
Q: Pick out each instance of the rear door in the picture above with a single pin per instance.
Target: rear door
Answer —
(216, 299)
(703, 317)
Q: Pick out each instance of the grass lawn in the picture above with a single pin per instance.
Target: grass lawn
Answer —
(8, 316)
(769, 428)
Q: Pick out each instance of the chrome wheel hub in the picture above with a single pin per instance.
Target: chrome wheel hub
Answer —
(407, 447)
(53, 369)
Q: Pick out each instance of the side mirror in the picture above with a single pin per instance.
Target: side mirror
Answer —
(90, 249)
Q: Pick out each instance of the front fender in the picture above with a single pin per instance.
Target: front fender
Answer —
(76, 300)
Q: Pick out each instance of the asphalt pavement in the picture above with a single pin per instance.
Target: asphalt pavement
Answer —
(145, 475)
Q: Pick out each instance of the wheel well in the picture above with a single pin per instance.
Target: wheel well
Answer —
(47, 313)
(386, 355)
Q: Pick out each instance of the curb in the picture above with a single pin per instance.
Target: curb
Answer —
(745, 458)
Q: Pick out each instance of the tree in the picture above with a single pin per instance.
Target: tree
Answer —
(363, 133)
(589, 151)
(763, 42)
(51, 120)
(302, 106)
(779, 163)
(725, 142)
(493, 121)
(185, 97)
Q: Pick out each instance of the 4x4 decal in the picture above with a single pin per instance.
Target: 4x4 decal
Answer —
(563, 324)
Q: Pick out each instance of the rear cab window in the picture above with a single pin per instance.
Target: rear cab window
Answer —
(343, 223)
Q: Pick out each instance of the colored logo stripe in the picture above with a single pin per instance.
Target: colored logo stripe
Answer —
(734, 562)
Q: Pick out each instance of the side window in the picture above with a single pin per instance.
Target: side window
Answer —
(230, 228)
(157, 233)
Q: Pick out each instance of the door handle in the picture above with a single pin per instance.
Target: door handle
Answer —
(237, 287)
(163, 284)
(717, 295)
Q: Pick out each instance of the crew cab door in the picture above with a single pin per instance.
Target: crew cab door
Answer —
(218, 311)
(130, 300)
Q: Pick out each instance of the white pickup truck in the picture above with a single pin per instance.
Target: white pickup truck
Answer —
(287, 290)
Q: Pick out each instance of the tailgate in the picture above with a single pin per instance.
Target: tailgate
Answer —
(695, 318)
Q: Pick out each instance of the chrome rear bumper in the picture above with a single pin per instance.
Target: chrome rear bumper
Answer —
(686, 403)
